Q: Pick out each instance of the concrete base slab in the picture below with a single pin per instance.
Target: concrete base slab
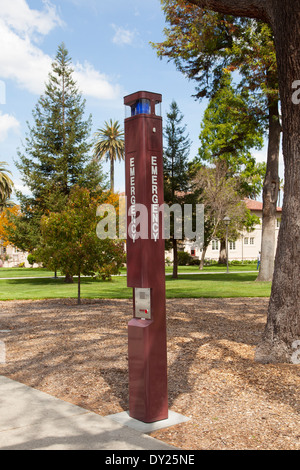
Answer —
(124, 419)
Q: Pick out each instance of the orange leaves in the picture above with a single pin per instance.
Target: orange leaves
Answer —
(6, 222)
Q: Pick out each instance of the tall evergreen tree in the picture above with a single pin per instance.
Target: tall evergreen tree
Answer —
(230, 130)
(176, 168)
(56, 155)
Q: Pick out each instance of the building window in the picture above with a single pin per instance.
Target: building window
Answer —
(251, 241)
(232, 246)
(193, 252)
(246, 241)
(215, 245)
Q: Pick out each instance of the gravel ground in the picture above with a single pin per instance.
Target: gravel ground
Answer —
(79, 354)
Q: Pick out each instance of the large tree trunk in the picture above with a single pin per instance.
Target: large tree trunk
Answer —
(282, 331)
(283, 325)
(250, 8)
(270, 197)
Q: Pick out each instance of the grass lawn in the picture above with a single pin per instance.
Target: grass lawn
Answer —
(40, 272)
(25, 272)
(186, 286)
(217, 285)
(213, 268)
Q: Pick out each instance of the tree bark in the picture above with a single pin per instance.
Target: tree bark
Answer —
(250, 8)
(223, 253)
(201, 265)
(283, 324)
(175, 259)
(69, 279)
(79, 290)
(282, 331)
(270, 196)
(112, 175)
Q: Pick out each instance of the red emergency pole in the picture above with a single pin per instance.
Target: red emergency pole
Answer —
(147, 344)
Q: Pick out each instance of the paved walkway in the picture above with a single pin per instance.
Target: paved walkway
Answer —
(33, 420)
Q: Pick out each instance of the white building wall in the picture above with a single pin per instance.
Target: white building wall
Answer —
(16, 257)
(247, 247)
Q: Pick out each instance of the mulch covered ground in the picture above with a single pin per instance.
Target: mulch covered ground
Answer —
(79, 354)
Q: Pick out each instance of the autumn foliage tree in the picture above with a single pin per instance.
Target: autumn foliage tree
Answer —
(70, 243)
(6, 224)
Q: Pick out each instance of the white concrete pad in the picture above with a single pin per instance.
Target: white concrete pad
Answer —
(124, 419)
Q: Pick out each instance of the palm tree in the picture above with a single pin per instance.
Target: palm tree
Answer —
(110, 144)
(6, 204)
(6, 184)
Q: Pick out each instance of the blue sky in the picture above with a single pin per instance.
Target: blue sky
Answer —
(109, 45)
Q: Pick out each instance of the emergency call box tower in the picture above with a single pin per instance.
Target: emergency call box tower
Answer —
(147, 344)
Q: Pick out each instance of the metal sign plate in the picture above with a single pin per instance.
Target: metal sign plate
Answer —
(143, 303)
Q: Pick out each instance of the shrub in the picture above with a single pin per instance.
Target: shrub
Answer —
(31, 259)
(184, 258)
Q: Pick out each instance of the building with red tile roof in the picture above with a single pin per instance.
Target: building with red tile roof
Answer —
(247, 246)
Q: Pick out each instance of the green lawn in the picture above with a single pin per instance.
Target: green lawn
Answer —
(217, 285)
(25, 272)
(213, 268)
(39, 272)
(187, 286)
(39, 288)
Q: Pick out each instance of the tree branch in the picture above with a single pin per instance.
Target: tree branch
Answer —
(250, 8)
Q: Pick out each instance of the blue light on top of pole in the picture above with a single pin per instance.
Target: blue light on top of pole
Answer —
(142, 106)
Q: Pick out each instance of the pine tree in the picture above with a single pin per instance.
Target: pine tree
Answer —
(56, 155)
(176, 155)
(176, 168)
(230, 130)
